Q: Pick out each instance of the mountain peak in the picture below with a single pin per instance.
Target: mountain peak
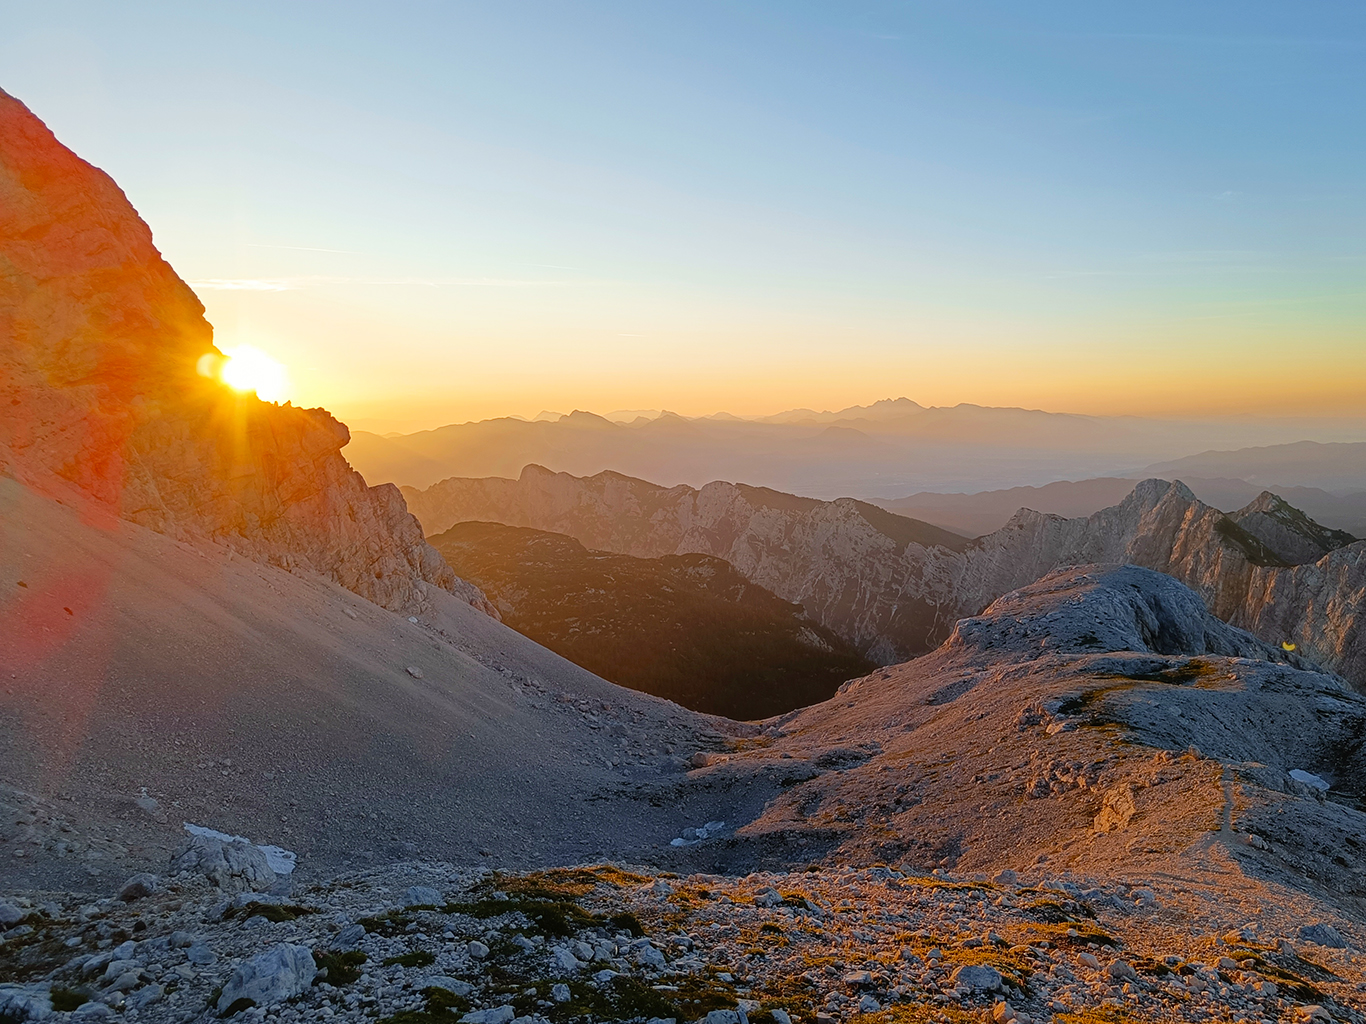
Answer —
(108, 409)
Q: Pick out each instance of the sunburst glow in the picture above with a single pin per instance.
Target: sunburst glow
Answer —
(249, 369)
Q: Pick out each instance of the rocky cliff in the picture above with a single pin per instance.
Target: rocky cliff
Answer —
(895, 587)
(99, 344)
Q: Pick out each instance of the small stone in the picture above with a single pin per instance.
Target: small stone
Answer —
(10, 915)
(1001, 1013)
(868, 1004)
(477, 949)
(722, 1017)
(1089, 959)
(350, 937)
(1122, 971)
(93, 1011)
(139, 886)
(1006, 877)
(414, 671)
(125, 982)
(147, 996)
(497, 1015)
(560, 992)
(180, 940)
(452, 985)
(768, 898)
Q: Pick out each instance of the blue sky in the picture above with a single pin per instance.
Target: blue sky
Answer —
(748, 206)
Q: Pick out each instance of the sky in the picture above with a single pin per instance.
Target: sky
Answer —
(439, 212)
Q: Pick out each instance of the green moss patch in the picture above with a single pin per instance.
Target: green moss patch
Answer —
(343, 968)
(417, 958)
(276, 913)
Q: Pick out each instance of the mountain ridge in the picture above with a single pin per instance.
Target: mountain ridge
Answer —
(106, 403)
(898, 596)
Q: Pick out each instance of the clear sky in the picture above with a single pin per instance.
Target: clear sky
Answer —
(445, 211)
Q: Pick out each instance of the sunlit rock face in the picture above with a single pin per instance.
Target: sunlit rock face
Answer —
(103, 405)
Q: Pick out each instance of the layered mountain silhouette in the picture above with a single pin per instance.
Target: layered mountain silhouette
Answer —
(882, 451)
(987, 511)
(895, 586)
(686, 627)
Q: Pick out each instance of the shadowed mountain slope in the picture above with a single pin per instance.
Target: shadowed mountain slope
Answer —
(685, 627)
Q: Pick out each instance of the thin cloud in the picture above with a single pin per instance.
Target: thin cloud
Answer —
(302, 248)
(224, 284)
(290, 284)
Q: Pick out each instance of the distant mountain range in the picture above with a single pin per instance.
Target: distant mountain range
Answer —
(689, 628)
(882, 451)
(986, 511)
(894, 587)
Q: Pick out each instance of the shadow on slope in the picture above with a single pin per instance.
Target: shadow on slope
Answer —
(685, 627)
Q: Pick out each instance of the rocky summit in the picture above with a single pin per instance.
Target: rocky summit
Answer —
(105, 406)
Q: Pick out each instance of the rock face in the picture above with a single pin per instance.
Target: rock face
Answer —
(895, 587)
(99, 347)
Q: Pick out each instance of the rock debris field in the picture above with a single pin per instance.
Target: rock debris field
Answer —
(427, 942)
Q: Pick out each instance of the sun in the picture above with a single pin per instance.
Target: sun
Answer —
(248, 369)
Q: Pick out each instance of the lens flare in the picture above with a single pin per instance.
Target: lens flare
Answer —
(249, 369)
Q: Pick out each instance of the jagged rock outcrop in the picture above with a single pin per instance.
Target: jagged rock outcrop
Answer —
(1285, 530)
(895, 587)
(103, 405)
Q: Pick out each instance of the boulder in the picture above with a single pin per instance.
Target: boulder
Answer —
(422, 896)
(24, 1003)
(232, 866)
(140, 885)
(1323, 935)
(280, 973)
(10, 915)
(977, 978)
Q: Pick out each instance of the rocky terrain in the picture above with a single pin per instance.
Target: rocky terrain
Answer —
(1041, 839)
(685, 627)
(263, 758)
(105, 407)
(425, 942)
(894, 586)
